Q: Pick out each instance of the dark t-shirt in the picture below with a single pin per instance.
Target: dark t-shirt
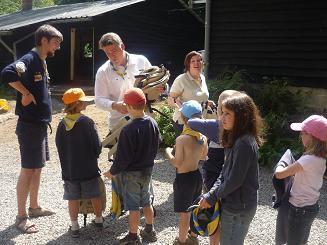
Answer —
(35, 79)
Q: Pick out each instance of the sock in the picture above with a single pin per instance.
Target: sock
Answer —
(75, 225)
(148, 228)
(132, 236)
(99, 219)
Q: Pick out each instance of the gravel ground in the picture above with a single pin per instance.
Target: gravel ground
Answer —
(53, 229)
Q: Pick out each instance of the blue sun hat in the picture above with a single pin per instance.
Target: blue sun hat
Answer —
(191, 109)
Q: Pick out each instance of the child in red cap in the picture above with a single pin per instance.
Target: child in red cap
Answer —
(308, 173)
(79, 147)
(137, 148)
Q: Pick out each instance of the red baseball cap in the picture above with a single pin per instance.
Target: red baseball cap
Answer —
(134, 96)
(314, 125)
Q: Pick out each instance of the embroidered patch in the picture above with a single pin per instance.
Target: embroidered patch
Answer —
(20, 68)
(37, 77)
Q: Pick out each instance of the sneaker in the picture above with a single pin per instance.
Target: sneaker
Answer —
(178, 242)
(98, 225)
(74, 233)
(128, 241)
(149, 236)
(192, 240)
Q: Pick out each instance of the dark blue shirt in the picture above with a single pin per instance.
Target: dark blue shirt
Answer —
(35, 79)
(137, 146)
(78, 149)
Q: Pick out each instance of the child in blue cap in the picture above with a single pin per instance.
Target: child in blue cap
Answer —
(190, 148)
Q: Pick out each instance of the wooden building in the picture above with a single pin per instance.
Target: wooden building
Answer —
(283, 38)
(163, 31)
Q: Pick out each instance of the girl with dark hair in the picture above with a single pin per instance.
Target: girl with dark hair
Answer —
(237, 186)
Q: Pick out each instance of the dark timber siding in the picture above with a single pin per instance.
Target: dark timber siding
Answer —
(271, 37)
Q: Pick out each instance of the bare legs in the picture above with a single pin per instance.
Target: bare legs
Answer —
(28, 183)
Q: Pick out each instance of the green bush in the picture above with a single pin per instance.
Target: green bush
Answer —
(278, 106)
(6, 92)
(165, 124)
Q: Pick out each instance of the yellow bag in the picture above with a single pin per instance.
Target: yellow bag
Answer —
(4, 106)
(85, 205)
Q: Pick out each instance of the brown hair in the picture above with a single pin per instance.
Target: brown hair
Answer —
(247, 119)
(110, 38)
(188, 58)
(48, 32)
(73, 108)
(224, 95)
(316, 147)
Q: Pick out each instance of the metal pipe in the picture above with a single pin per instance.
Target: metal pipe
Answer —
(207, 39)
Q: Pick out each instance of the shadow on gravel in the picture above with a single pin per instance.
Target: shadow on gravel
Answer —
(8, 234)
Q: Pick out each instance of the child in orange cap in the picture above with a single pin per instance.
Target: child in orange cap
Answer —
(308, 173)
(79, 147)
(137, 148)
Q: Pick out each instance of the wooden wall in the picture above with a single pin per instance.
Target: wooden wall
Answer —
(271, 37)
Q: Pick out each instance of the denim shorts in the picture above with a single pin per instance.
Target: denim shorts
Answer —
(136, 189)
(235, 226)
(299, 223)
(33, 144)
(75, 190)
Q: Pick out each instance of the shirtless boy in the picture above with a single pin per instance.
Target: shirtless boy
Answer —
(190, 148)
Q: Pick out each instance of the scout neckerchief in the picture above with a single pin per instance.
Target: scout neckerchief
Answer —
(121, 72)
(199, 137)
(70, 120)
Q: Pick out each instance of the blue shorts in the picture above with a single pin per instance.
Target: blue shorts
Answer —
(75, 190)
(136, 189)
(33, 144)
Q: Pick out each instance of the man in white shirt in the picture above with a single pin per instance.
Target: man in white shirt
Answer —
(115, 76)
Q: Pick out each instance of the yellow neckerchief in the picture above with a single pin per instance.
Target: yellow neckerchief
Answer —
(118, 72)
(70, 120)
(188, 131)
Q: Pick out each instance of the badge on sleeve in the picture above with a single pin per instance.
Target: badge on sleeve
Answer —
(20, 68)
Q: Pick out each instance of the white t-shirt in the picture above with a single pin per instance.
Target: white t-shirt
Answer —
(307, 183)
(110, 86)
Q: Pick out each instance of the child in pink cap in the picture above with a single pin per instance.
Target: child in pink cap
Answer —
(308, 173)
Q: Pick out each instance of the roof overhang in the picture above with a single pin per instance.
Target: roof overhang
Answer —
(60, 14)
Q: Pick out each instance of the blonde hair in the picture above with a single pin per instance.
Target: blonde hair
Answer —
(316, 147)
(224, 95)
(74, 107)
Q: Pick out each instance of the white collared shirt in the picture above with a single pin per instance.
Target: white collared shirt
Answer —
(110, 86)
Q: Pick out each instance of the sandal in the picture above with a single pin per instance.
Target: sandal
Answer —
(39, 212)
(24, 225)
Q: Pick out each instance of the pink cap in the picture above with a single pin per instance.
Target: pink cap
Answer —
(314, 125)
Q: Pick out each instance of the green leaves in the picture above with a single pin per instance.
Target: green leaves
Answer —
(165, 124)
(279, 106)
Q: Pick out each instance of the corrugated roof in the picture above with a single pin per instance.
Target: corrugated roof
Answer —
(61, 12)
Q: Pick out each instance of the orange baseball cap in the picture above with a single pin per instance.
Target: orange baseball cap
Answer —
(75, 94)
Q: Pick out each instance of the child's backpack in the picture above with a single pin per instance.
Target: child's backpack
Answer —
(85, 205)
